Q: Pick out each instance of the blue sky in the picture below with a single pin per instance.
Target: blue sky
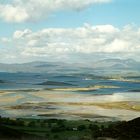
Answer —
(117, 13)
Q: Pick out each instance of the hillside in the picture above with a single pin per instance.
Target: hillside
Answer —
(53, 129)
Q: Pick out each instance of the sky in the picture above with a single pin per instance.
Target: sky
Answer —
(69, 30)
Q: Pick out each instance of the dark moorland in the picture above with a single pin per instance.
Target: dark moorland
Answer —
(53, 129)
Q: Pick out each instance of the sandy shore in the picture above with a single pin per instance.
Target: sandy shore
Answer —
(5, 99)
(82, 89)
(122, 106)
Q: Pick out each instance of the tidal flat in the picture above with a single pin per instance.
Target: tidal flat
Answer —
(69, 105)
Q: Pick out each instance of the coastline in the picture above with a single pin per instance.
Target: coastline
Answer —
(69, 105)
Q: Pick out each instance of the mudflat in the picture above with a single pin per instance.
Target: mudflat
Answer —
(29, 103)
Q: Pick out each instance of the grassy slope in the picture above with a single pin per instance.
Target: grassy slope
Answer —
(62, 129)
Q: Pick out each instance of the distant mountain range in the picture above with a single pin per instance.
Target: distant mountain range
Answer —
(117, 64)
(58, 67)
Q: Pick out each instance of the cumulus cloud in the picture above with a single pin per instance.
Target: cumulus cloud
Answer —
(87, 40)
(32, 10)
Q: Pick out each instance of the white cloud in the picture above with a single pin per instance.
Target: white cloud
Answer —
(88, 40)
(12, 13)
(32, 10)
(4, 40)
(20, 34)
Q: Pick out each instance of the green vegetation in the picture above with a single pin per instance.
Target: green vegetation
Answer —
(53, 129)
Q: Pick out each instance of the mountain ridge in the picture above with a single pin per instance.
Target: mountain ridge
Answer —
(42, 66)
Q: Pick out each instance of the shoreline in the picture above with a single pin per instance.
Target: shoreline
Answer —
(32, 103)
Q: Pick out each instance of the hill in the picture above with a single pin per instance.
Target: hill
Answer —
(53, 129)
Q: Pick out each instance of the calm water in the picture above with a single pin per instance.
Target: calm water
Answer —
(33, 81)
(127, 91)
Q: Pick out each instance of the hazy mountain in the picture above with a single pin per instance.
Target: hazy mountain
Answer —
(55, 67)
(117, 64)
